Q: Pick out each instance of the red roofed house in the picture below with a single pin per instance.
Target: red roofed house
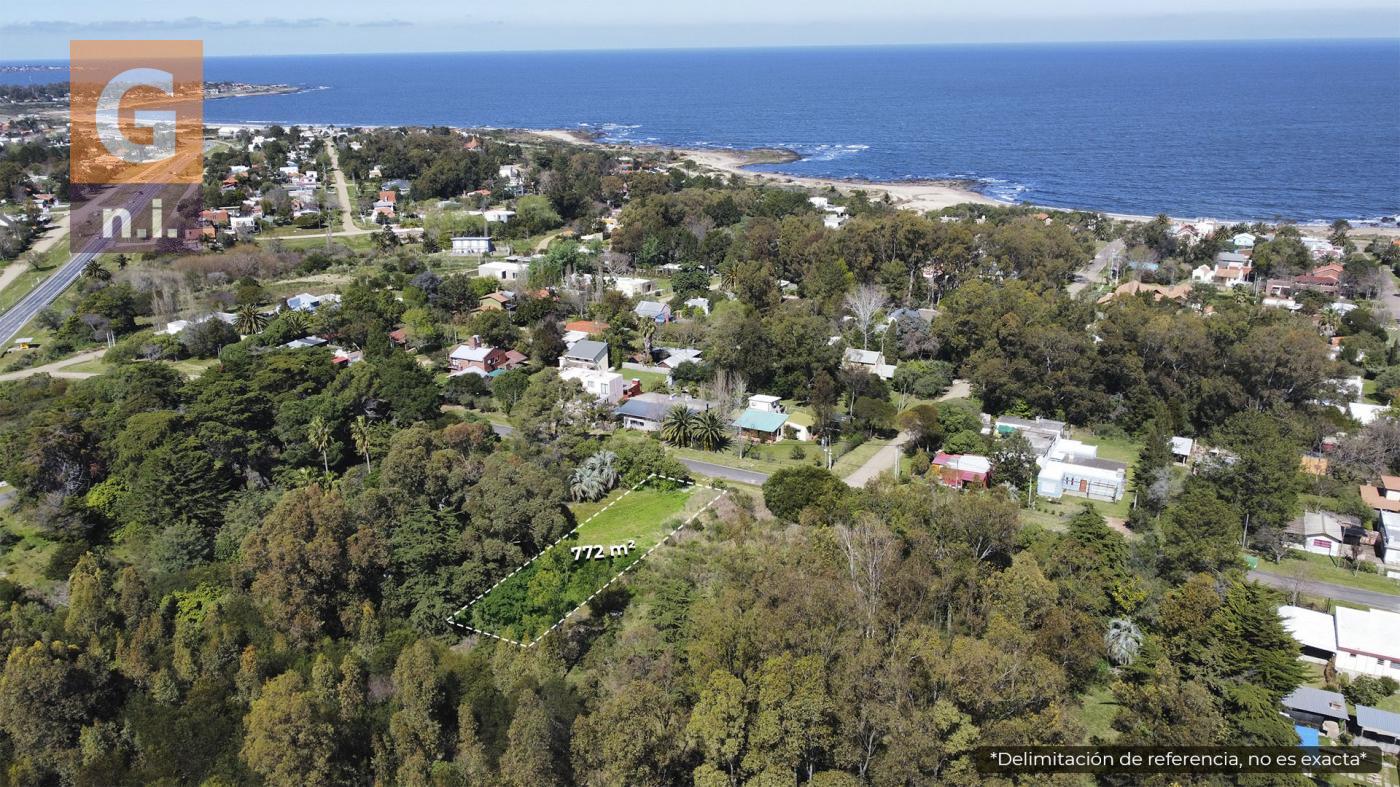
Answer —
(962, 470)
(389, 195)
(1384, 496)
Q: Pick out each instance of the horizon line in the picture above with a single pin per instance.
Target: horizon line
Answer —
(772, 47)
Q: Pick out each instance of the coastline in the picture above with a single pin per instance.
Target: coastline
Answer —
(918, 195)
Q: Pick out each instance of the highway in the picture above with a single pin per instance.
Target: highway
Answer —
(39, 298)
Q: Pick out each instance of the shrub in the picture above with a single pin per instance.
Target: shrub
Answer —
(798, 452)
(792, 489)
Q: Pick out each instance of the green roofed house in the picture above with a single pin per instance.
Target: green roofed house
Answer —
(759, 425)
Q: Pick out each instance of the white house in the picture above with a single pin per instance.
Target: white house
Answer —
(471, 245)
(766, 403)
(1368, 642)
(1244, 240)
(602, 385)
(1389, 527)
(503, 271)
(175, 326)
(1073, 468)
(494, 215)
(872, 361)
(1365, 413)
(1315, 631)
(632, 286)
(1322, 532)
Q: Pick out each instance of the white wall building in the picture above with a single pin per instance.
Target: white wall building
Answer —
(604, 386)
(503, 271)
(1368, 642)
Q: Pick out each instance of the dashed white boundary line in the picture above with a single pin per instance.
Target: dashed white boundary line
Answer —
(452, 619)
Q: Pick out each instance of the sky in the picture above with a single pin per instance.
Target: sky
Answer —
(32, 30)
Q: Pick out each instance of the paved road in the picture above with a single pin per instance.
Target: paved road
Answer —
(1093, 272)
(696, 466)
(39, 298)
(1369, 598)
(723, 471)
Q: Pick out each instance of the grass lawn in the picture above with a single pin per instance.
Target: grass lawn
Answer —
(23, 561)
(555, 583)
(1303, 565)
(1096, 714)
(32, 276)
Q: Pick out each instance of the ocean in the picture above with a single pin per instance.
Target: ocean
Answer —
(1238, 130)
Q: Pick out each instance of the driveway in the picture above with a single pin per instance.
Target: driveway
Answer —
(342, 192)
(1328, 590)
(883, 461)
(56, 369)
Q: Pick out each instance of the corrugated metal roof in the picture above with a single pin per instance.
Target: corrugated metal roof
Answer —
(1382, 721)
(761, 421)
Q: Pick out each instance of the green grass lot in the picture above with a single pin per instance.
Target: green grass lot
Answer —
(26, 552)
(550, 587)
(31, 277)
(1302, 565)
(772, 457)
(1096, 713)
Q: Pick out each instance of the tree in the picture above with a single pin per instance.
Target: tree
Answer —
(94, 270)
(1123, 640)
(1013, 461)
(864, 302)
(678, 425)
(360, 432)
(529, 757)
(593, 478)
(710, 430)
(308, 561)
(318, 435)
(717, 726)
(48, 692)
(1200, 532)
(792, 489)
(920, 422)
(289, 738)
(249, 320)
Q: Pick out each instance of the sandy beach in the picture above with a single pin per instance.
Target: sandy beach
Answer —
(913, 195)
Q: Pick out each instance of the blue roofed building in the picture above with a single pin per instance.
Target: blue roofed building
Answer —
(1379, 727)
(1314, 707)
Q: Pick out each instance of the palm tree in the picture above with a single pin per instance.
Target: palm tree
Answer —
(94, 270)
(249, 320)
(298, 322)
(359, 432)
(318, 433)
(710, 431)
(1123, 640)
(648, 331)
(678, 426)
(594, 477)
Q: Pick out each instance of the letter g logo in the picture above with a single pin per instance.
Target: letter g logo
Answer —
(161, 123)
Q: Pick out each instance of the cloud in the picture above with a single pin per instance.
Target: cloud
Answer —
(119, 26)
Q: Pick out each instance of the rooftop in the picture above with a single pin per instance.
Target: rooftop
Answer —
(1328, 704)
(1376, 720)
(761, 421)
(1370, 632)
(1311, 628)
(587, 350)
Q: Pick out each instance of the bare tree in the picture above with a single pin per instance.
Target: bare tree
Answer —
(870, 553)
(864, 302)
